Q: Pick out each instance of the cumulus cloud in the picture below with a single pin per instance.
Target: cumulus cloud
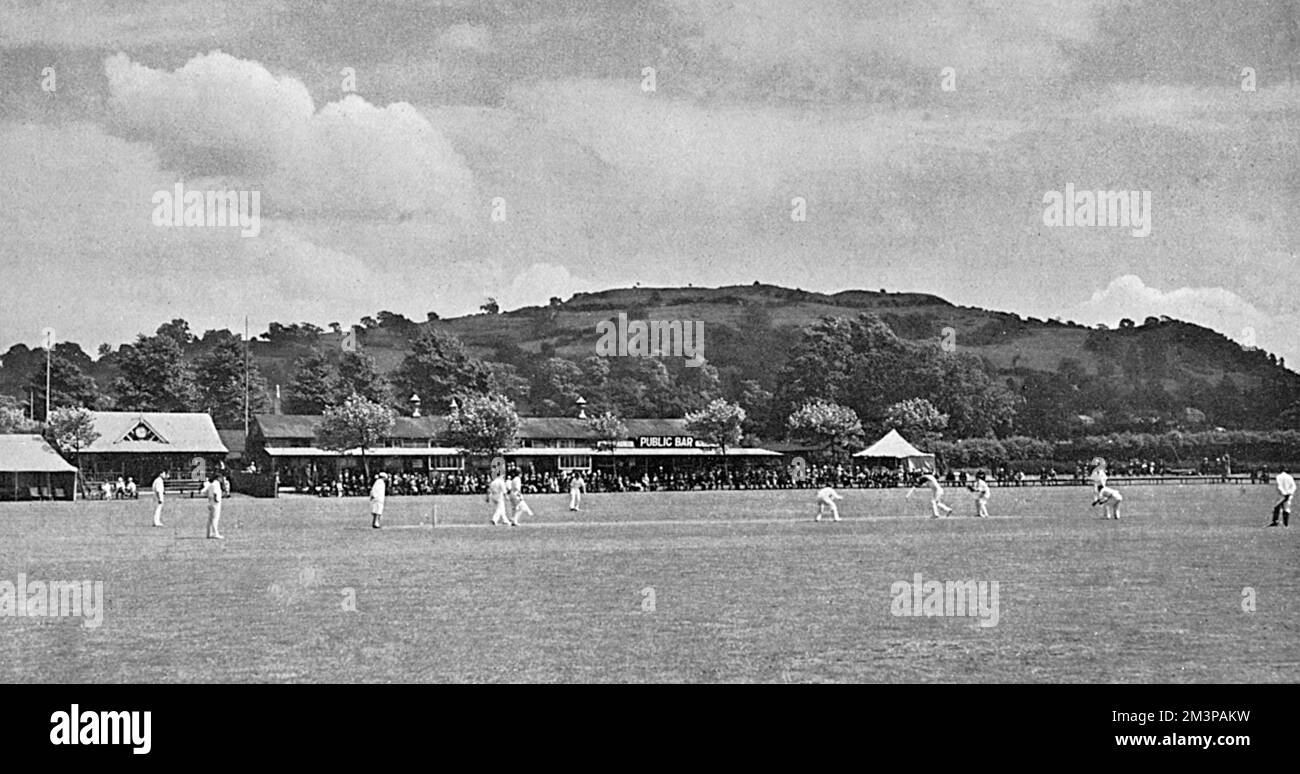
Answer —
(537, 284)
(82, 255)
(1216, 308)
(222, 116)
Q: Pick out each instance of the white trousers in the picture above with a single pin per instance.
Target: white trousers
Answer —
(575, 500)
(214, 519)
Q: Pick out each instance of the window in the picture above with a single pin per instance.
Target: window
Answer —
(447, 462)
(575, 462)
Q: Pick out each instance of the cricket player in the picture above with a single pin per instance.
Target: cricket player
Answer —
(515, 495)
(496, 495)
(159, 490)
(213, 490)
(576, 487)
(1098, 474)
(826, 497)
(981, 489)
(1286, 490)
(936, 497)
(1110, 500)
(378, 492)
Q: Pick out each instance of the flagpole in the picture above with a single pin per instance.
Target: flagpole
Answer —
(245, 376)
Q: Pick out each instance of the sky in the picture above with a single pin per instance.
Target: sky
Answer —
(424, 155)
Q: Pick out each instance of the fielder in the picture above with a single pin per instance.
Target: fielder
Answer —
(515, 495)
(496, 495)
(213, 491)
(1110, 500)
(378, 493)
(159, 490)
(826, 497)
(576, 487)
(1286, 490)
(981, 489)
(936, 497)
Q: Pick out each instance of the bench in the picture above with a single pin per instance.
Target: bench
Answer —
(183, 486)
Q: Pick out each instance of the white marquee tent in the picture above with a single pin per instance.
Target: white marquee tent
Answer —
(896, 448)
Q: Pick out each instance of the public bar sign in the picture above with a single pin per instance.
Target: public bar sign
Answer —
(665, 442)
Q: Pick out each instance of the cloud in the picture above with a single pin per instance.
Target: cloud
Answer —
(222, 116)
(1216, 308)
(82, 255)
(535, 285)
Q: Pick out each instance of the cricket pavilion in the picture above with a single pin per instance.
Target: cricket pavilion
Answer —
(142, 444)
(285, 445)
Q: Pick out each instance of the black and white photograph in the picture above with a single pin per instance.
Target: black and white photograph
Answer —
(650, 341)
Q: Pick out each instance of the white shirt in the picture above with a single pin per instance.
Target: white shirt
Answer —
(158, 488)
(378, 491)
(575, 485)
(827, 494)
(496, 489)
(515, 490)
(1285, 484)
(213, 490)
(981, 489)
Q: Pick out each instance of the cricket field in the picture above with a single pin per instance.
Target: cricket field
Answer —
(1190, 586)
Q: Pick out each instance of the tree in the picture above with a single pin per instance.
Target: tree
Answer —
(13, 420)
(177, 330)
(917, 419)
(555, 387)
(439, 369)
(356, 424)
(491, 307)
(314, 385)
(220, 381)
(609, 429)
(719, 423)
(1126, 323)
(358, 376)
(483, 424)
(72, 429)
(69, 385)
(829, 425)
(154, 376)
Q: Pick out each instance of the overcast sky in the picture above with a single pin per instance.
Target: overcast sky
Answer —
(382, 197)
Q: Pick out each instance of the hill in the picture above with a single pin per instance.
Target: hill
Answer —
(1138, 376)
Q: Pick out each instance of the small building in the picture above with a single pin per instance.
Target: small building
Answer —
(30, 469)
(285, 445)
(142, 444)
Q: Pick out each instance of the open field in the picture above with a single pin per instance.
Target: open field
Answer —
(745, 588)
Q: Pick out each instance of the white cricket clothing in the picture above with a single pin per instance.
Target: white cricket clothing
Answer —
(159, 488)
(377, 494)
(828, 495)
(497, 496)
(1285, 484)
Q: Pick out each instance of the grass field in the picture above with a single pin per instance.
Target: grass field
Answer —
(745, 588)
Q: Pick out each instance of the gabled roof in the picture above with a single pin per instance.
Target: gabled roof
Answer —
(30, 454)
(154, 432)
(303, 426)
(892, 445)
(234, 440)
